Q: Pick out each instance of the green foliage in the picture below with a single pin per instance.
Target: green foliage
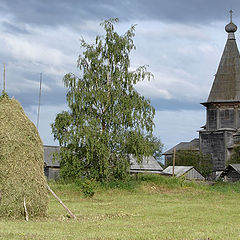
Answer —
(226, 187)
(88, 187)
(129, 184)
(107, 118)
(156, 147)
(168, 182)
(132, 183)
(140, 144)
(235, 157)
(201, 162)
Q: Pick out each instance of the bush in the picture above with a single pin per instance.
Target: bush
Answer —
(235, 157)
(88, 187)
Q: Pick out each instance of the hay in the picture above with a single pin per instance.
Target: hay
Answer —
(21, 163)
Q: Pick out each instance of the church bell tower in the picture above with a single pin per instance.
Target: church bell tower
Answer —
(223, 105)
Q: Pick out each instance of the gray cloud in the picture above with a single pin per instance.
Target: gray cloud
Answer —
(74, 12)
(56, 12)
(195, 11)
(180, 40)
(10, 28)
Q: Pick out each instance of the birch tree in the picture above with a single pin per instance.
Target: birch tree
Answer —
(107, 118)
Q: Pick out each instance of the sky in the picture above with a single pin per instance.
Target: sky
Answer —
(181, 42)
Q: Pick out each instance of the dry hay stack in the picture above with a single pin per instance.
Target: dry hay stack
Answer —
(21, 163)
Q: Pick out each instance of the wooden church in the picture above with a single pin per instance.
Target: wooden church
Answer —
(223, 105)
(222, 129)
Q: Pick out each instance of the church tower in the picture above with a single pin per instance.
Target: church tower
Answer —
(223, 105)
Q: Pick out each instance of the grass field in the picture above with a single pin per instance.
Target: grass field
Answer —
(150, 208)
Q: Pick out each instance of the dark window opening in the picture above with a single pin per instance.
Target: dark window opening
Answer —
(226, 115)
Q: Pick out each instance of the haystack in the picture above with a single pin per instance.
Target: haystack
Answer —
(21, 163)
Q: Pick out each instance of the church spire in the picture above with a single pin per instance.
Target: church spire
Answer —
(231, 28)
(226, 85)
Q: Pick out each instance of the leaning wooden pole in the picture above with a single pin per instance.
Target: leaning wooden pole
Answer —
(60, 201)
(174, 158)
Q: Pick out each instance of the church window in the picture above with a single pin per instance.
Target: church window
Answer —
(212, 115)
(226, 115)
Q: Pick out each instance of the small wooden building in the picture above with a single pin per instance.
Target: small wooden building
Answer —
(188, 172)
(231, 173)
(51, 165)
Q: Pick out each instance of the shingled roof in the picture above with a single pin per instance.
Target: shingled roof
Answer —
(235, 166)
(226, 85)
(149, 164)
(192, 145)
(188, 171)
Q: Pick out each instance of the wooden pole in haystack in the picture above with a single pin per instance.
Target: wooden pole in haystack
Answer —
(25, 209)
(174, 156)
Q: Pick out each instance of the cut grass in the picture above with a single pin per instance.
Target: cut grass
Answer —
(157, 208)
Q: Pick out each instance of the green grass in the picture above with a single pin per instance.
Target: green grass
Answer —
(151, 207)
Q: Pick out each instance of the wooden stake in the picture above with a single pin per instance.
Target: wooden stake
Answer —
(174, 156)
(25, 209)
(60, 201)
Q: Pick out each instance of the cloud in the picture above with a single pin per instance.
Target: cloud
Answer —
(73, 12)
(30, 85)
(10, 28)
(183, 66)
(181, 41)
(40, 51)
(178, 60)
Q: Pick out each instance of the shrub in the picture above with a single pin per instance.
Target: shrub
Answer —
(88, 187)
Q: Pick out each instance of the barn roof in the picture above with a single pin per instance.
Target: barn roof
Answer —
(226, 85)
(148, 164)
(235, 166)
(178, 170)
(192, 145)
